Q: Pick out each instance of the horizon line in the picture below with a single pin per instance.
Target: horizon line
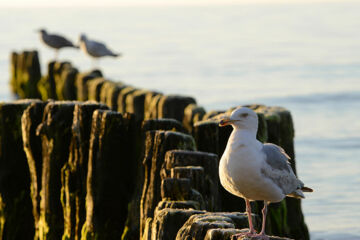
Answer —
(173, 4)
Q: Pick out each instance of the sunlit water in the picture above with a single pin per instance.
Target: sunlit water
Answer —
(305, 57)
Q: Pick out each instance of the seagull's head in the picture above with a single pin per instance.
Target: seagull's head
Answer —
(242, 118)
(83, 37)
(42, 31)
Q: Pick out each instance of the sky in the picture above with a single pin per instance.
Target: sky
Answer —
(95, 3)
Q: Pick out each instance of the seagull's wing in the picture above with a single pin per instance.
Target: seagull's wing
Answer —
(99, 49)
(59, 41)
(276, 157)
(277, 168)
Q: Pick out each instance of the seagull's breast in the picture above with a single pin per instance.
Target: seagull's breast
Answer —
(46, 40)
(240, 172)
(83, 46)
(238, 167)
(87, 47)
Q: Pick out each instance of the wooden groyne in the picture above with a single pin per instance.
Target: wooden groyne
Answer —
(112, 161)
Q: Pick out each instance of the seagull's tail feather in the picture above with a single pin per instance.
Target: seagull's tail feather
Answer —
(115, 54)
(299, 193)
(296, 194)
(306, 189)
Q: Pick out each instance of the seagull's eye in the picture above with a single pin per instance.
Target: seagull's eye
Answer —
(244, 115)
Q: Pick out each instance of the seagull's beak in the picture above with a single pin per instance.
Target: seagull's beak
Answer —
(225, 121)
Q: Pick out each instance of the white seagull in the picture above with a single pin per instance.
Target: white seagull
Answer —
(255, 171)
(55, 41)
(95, 49)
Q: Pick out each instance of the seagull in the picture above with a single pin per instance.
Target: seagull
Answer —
(95, 49)
(55, 41)
(255, 171)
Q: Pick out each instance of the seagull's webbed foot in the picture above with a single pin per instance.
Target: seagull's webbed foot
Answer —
(247, 234)
(250, 235)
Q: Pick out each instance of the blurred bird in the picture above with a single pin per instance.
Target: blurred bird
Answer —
(55, 41)
(95, 49)
(255, 171)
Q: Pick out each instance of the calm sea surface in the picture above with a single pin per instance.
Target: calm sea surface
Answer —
(305, 57)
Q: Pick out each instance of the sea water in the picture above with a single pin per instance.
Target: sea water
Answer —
(304, 57)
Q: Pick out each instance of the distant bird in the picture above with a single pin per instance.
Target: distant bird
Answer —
(95, 49)
(255, 171)
(55, 41)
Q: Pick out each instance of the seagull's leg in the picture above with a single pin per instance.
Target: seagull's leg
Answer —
(248, 211)
(252, 231)
(262, 234)
(94, 63)
(56, 54)
(264, 212)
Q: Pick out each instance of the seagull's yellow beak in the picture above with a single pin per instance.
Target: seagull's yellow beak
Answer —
(225, 121)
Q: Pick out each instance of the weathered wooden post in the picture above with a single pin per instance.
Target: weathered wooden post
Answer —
(25, 74)
(110, 175)
(132, 229)
(16, 220)
(173, 106)
(180, 163)
(94, 88)
(30, 120)
(157, 144)
(81, 83)
(55, 133)
(74, 172)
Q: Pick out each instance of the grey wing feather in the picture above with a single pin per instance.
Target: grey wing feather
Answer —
(278, 169)
(100, 49)
(276, 157)
(60, 41)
